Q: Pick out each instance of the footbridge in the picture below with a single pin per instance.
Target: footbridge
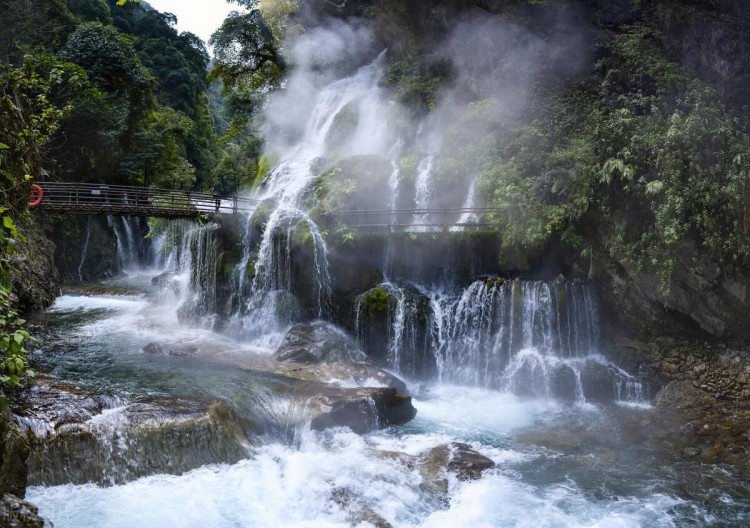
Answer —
(125, 200)
(417, 220)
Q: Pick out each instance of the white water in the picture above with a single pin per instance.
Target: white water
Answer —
(470, 203)
(423, 195)
(294, 486)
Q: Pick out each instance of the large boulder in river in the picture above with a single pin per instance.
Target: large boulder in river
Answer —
(317, 342)
(79, 438)
(362, 410)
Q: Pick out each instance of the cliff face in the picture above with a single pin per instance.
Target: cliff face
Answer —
(712, 42)
(36, 280)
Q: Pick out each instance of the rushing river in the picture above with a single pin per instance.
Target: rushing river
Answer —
(557, 464)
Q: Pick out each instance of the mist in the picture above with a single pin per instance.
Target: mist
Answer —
(492, 67)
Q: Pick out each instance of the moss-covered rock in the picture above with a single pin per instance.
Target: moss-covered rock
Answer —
(357, 182)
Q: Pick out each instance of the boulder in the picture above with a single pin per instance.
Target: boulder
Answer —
(597, 382)
(79, 438)
(457, 458)
(563, 383)
(317, 342)
(682, 396)
(171, 349)
(358, 511)
(362, 410)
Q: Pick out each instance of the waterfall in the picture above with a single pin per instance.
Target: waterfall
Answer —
(289, 229)
(424, 190)
(85, 248)
(402, 321)
(535, 338)
(189, 254)
(470, 203)
(130, 243)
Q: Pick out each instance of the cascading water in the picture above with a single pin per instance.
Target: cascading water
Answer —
(130, 243)
(468, 217)
(424, 191)
(85, 250)
(535, 338)
(271, 305)
(189, 254)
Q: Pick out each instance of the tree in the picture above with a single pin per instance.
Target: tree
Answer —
(247, 64)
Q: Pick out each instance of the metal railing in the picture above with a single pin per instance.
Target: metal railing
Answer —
(92, 198)
(416, 220)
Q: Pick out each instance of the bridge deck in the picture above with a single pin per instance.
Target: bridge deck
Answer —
(89, 198)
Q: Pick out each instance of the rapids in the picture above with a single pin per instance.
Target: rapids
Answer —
(557, 464)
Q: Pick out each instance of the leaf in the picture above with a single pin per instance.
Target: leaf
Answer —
(654, 187)
(3, 146)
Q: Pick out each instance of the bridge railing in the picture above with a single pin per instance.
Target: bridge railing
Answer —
(416, 220)
(92, 198)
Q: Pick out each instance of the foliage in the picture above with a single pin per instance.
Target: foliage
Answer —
(32, 25)
(415, 82)
(640, 161)
(29, 120)
(247, 63)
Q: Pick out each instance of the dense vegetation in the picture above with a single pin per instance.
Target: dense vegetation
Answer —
(639, 161)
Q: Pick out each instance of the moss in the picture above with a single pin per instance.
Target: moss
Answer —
(376, 301)
(265, 164)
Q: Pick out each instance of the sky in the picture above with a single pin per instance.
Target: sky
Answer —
(201, 17)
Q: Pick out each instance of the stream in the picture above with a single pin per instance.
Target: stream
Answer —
(557, 464)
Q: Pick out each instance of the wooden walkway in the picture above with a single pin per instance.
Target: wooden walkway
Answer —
(124, 200)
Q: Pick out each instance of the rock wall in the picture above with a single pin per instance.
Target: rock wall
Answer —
(36, 280)
(712, 40)
(14, 452)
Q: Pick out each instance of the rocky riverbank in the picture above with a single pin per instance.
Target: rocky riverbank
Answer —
(701, 389)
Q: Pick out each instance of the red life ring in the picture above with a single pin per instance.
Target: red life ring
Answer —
(36, 195)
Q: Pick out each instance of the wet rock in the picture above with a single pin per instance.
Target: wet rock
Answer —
(178, 350)
(682, 395)
(563, 383)
(597, 383)
(134, 439)
(317, 342)
(36, 280)
(17, 513)
(457, 458)
(163, 280)
(362, 410)
(358, 511)
(14, 450)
